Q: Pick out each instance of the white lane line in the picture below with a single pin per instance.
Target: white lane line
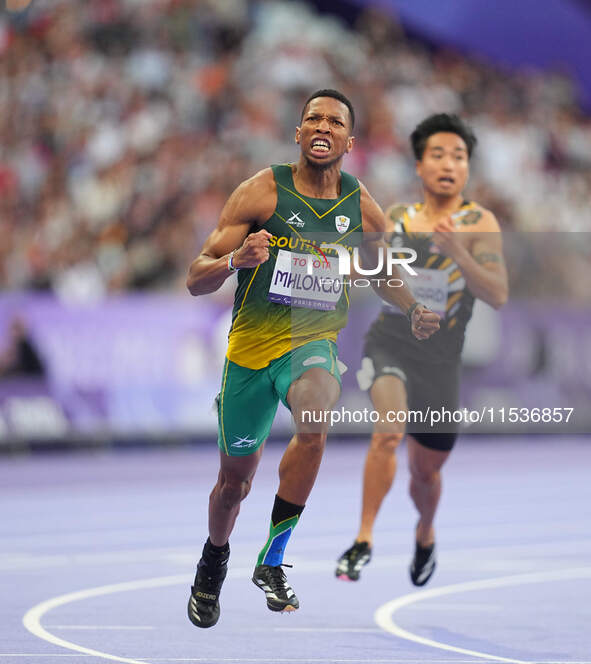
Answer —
(443, 606)
(211, 660)
(93, 627)
(17, 561)
(346, 630)
(181, 555)
(68, 536)
(331, 660)
(321, 660)
(383, 615)
(275, 659)
(32, 619)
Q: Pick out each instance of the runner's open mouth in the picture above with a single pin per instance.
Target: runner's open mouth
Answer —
(320, 145)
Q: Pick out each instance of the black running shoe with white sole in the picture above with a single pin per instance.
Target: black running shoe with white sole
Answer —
(423, 564)
(272, 580)
(204, 605)
(350, 563)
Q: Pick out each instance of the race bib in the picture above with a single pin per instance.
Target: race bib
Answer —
(429, 287)
(292, 285)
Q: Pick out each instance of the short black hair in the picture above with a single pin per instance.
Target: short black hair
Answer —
(436, 123)
(335, 94)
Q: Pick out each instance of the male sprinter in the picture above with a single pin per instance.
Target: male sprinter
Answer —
(460, 257)
(284, 327)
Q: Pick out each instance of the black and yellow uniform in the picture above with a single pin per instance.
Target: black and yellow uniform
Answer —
(430, 368)
(286, 320)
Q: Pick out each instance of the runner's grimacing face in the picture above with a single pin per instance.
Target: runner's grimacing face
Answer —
(324, 135)
(444, 167)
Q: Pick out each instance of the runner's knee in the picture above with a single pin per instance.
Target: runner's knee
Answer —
(316, 391)
(386, 441)
(316, 401)
(423, 473)
(233, 489)
(312, 441)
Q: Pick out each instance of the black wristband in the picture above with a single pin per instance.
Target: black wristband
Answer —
(410, 310)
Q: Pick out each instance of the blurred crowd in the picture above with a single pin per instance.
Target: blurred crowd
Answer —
(125, 124)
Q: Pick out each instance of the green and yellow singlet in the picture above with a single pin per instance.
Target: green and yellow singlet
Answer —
(279, 305)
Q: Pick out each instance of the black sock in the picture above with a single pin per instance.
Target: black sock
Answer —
(283, 510)
(214, 550)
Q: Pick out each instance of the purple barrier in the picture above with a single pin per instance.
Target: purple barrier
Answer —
(543, 362)
(29, 410)
(151, 365)
(134, 364)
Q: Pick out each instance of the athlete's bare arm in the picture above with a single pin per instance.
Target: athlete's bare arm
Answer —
(393, 213)
(423, 321)
(479, 256)
(249, 206)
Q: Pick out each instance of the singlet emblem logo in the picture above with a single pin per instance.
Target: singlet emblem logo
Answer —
(342, 223)
(295, 220)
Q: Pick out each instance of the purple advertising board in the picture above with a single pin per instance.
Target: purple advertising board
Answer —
(129, 365)
(150, 365)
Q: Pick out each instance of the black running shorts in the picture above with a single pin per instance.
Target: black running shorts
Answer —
(432, 389)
